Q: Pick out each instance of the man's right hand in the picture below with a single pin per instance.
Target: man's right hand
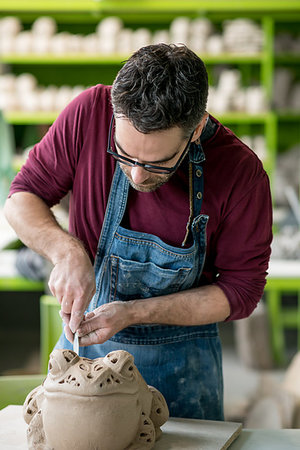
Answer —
(72, 282)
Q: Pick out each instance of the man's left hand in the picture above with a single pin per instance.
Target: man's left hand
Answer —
(101, 324)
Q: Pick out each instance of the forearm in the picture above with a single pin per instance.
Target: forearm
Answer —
(197, 306)
(37, 227)
(72, 279)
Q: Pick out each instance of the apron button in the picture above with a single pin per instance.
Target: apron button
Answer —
(198, 173)
(199, 195)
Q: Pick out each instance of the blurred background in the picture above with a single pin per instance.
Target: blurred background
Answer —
(50, 51)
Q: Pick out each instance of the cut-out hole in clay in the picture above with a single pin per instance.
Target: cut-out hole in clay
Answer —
(69, 355)
(89, 361)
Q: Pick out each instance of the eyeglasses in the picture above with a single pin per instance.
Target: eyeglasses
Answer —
(149, 167)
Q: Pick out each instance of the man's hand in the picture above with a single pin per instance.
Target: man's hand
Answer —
(104, 322)
(72, 282)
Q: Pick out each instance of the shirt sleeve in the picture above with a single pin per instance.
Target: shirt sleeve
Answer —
(50, 167)
(243, 248)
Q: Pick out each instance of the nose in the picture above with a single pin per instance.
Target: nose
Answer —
(139, 175)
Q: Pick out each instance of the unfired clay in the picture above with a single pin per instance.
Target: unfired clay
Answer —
(100, 404)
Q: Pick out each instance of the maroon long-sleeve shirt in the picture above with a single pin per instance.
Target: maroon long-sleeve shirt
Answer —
(72, 157)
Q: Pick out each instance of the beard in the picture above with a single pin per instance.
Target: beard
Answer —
(150, 185)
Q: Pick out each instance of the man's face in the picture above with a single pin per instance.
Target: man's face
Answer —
(160, 148)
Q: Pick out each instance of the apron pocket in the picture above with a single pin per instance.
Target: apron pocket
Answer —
(134, 280)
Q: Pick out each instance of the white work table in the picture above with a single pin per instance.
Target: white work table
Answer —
(178, 434)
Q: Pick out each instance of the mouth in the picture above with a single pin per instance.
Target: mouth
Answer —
(85, 394)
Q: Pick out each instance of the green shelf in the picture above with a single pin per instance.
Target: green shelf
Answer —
(169, 7)
(242, 118)
(21, 284)
(83, 58)
(289, 116)
(199, 5)
(289, 58)
(23, 118)
(50, 59)
(29, 118)
(48, 6)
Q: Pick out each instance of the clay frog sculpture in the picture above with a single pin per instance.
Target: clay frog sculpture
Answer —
(100, 404)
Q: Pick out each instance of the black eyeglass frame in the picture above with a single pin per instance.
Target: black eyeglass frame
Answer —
(149, 167)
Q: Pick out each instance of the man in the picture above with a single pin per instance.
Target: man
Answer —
(171, 209)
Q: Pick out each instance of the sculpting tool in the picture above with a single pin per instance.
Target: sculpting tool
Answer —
(76, 343)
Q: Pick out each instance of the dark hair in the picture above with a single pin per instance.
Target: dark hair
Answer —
(161, 86)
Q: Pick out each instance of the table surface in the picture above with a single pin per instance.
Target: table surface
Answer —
(178, 434)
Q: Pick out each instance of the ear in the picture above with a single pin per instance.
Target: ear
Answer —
(199, 128)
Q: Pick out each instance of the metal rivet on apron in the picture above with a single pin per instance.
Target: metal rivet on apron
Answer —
(199, 195)
(198, 173)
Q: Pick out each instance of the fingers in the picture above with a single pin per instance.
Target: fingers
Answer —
(77, 314)
(65, 317)
(96, 337)
(76, 319)
(88, 325)
(66, 305)
(68, 333)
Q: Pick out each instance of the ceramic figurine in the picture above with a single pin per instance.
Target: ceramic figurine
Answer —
(100, 404)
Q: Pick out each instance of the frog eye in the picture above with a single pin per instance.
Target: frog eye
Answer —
(69, 355)
(120, 361)
(128, 368)
(53, 367)
(61, 360)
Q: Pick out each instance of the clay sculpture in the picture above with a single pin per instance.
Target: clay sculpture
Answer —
(100, 404)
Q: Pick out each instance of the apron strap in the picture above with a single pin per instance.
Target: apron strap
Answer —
(196, 178)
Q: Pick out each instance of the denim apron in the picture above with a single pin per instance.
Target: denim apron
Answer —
(183, 362)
